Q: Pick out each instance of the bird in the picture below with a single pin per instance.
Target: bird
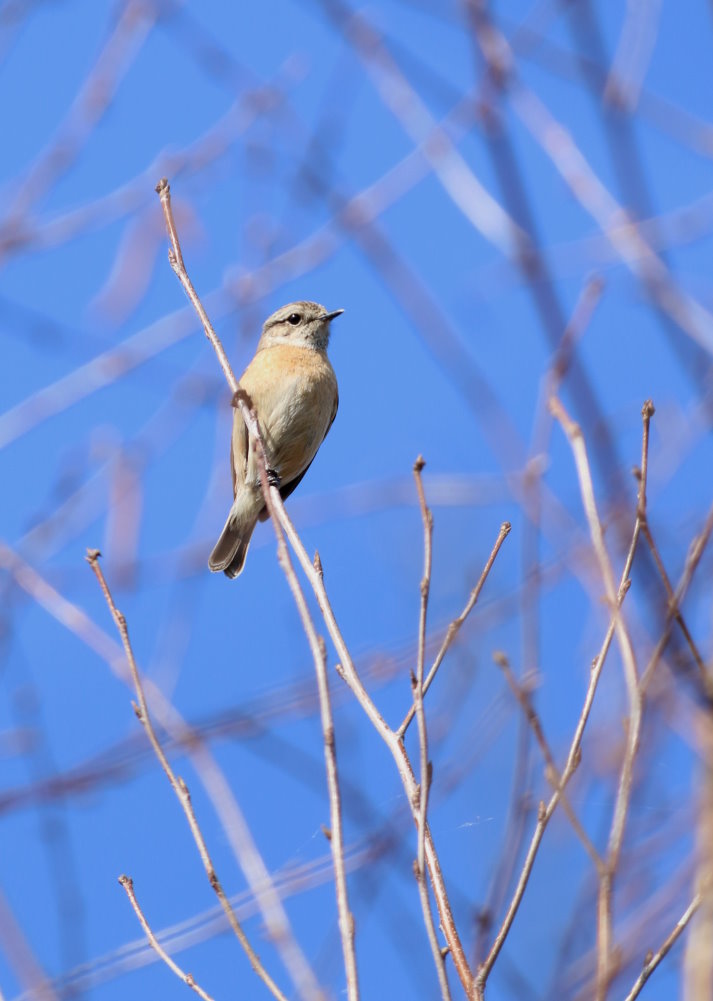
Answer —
(292, 386)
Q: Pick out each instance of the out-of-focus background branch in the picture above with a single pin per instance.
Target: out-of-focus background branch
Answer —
(510, 201)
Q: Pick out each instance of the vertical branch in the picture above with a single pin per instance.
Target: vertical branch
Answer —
(698, 960)
(545, 811)
(349, 674)
(319, 655)
(421, 811)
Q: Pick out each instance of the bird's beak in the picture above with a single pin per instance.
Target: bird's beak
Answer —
(334, 315)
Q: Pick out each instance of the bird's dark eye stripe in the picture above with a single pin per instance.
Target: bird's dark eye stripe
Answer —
(294, 319)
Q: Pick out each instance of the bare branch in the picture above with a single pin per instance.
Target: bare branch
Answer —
(455, 625)
(522, 694)
(177, 784)
(175, 258)
(633, 729)
(653, 959)
(319, 655)
(421, 812)
(573, 758)
(187, 978)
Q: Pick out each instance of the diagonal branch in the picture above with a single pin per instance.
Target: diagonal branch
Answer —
(177, 784)
(187, 978)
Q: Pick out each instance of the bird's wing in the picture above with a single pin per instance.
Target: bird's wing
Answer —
(287, 488)
(238, 443)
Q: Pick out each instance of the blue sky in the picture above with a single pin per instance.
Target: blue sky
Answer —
(303, 166)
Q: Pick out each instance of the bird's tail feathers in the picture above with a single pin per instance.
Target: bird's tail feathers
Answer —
(231, 548)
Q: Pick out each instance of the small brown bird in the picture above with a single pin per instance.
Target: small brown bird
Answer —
(293, 388)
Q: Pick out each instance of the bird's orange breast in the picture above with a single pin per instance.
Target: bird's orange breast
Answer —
(294, 392)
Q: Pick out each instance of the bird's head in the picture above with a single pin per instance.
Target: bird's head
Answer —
(301, 323)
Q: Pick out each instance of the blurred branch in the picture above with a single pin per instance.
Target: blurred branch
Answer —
(693, 558)
(453, 172)
(698, 958)
(20, 955)
(621, 230)
(633, 53)
(99, 86)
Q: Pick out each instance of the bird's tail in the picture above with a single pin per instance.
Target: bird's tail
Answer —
(231, 548)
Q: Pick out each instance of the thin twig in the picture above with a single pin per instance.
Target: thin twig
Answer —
(653, 959)
(695, 553)
(177, 784)
(455, 625)
(671, 597)
(192, 742)
(175, 258)
(573, 758)
(522, 694)
(425, 766)
(633, 728)
(187, 978)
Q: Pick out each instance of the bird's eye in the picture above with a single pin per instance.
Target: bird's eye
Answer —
(294, 319)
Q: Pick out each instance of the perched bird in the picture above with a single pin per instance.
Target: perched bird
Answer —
(293, 389)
